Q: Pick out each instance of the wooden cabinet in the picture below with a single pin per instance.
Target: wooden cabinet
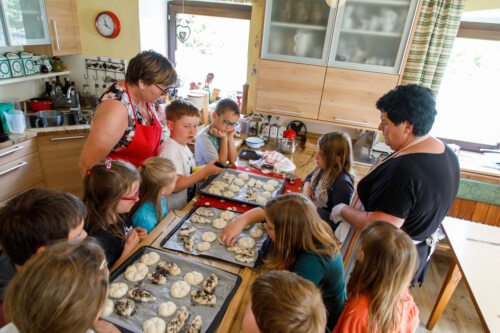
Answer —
(64, 29)
(349, 96)
(288, 89)
(59, 160)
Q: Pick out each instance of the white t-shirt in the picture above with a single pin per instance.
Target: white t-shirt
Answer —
(183, 160)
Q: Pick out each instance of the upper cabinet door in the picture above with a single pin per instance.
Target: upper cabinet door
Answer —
(372, 35)
(25, 22)
(298, 31)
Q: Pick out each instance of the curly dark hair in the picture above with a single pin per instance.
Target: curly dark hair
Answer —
(413, 103)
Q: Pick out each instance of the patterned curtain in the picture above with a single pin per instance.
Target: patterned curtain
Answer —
(431, 46)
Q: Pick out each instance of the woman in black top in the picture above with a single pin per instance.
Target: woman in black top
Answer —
(414, 187)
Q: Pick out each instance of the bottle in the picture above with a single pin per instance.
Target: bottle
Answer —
(273, 134)
(86, 97)
(265, 132)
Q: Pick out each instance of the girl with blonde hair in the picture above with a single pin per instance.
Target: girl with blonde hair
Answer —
(110, 190)
(302, 243)
(59, 290)
(379, 300)
(158, 177)
(282, 302)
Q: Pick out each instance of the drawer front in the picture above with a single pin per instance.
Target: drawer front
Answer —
(37, 185)
(16, 151)
(19, 175)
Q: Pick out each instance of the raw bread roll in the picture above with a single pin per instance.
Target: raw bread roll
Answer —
(256, 232)
(243, 176)
(193, 278)
(117, 290)
(261, 200)
(268, 187)
(229, 177)
(180, 289)
(175, 325)
(199, 219)
(204, 212)
(273, 183)
(141, 295)
(203, 246)
(154, 325)
(125, 307)
(150, 258)
(171, 267)
(227, 215)
(167, 309)
(136, 272)
(208, 236)
(187, 242)
(259, 184)
(195, 325)
(233, 188)
(186, 230)
(214, 190)
(229, 194)
(239, 182)
(203, 298)
(107, 308)
(251, 182)
(210, 283)
(158, 277)
(220, 185)
(246, 242)
(244, 259)
(266, 194)
(219, 223)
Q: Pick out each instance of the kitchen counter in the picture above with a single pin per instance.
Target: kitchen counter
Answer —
(16, 138)
(59, 129)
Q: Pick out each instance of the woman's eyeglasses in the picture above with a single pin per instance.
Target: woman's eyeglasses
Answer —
(163, 91)
(229, 124)
(134, 197)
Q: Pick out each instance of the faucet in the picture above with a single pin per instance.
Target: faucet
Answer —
(76, 110)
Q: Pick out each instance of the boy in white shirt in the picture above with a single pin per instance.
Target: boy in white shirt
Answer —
(183, 119)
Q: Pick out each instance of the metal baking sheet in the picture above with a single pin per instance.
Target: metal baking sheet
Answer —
(211, 315)
(217, 250)
(241, 195)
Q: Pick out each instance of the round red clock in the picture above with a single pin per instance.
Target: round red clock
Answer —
(107, 24)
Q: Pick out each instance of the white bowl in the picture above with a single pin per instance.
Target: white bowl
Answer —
(254, 142)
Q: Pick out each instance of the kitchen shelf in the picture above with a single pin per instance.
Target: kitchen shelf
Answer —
(298, 26)
(32, 77)
(382, 2)
(371, 33)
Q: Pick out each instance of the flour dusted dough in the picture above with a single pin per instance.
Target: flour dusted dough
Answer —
(229, 194)
(117, 290)
(167, 309)
(125, 307)
(186, 230)
(199, 219)
(266, 194)
(175, 325)
(203, 298)
(243, 176)
(273, 183)
(171, 267)
(180, 289)
(203, 246)
(246, 242)
(209, 284)
(251, 182)
(227, 215)
(256, 232)
(136, 272)
(141, 295)
(268, 187)
(233, 188)
(259, 184)
(261, 200)
(214, 190)
(239, 182)
(204, 212)
(154, 325)
(195, 325)
(193, 278)
(219, 223)
(208, 236)
(107, 308)
(150, 258)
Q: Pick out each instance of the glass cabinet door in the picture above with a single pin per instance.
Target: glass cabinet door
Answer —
(298, 31)
(26, 22)
(3, 37)
(372, 35)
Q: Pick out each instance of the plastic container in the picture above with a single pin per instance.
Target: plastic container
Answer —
(244, 126)
(15, 121)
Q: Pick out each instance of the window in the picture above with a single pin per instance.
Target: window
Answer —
(468, 101)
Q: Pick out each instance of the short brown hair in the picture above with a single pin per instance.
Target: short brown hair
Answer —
(61, 289)
(227, 105)
(36, 218)
(181, 108)
(152, 68)
(284, 302)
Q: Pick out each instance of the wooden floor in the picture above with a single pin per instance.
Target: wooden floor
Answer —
(459, 316)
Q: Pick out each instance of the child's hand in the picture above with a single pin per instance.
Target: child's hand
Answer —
(131, 242)
(217, 132)
(211, 169)
(141, 232)
(230, 233)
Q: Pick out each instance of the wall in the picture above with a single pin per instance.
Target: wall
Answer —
(153, 25)
(471, 5)
(254, 42)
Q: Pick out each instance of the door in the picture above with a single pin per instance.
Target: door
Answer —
(25, 22)
(298, 31)
(372, 35)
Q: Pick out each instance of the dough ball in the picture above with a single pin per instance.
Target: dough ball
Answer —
(246, 242)
(214, 190)
(154, 325)
(259, 184)
(227, 215)
(243, 176)
(203, 246)
(256, 232)
(229, 194)
(239, 182)
(219, 223)
(107, 308)
(268, 187)
(136, 272)
(266, 194)
(150, 258)
(180, 289)
(193, 278)
(273, 183)
(233, 188)
(208, 236)
(251, 182)
(117, 290)
(261, 200)
(167, 309)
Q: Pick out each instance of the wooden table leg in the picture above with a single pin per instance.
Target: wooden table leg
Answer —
(450, 283)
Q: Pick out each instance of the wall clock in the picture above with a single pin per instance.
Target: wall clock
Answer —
(107, 24)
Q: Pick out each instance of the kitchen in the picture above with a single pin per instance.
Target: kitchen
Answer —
(52, 155)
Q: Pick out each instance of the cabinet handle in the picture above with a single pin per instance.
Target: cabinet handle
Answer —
(16, 148)
(58, 48)
(68, 138)
(350, 122)
(13, 168)
(292, 113)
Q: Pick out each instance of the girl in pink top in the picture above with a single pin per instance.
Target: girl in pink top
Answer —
(378, 298)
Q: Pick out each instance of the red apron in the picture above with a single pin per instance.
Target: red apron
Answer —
(146, 140)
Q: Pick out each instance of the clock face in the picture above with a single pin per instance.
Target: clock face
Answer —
(107, 24)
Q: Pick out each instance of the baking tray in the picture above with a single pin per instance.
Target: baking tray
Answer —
(212, 315)
(241, 195)
(217, 250)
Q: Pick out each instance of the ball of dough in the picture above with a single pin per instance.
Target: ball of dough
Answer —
(150, 258)
(214, 190)
(203, 246)
(243, 176)
(259, 184)
(251, 182)
(180, 289)
(167, 309)
(229, 194)
(246, 242)
(219, 223)
(154, 325)
(266, 194)
(193, 278)
(136, 272)
(273, 183)
(261, 200)
(107, 308)
(239, 182)
(208, 236)
(227, 215)
(233, 188)
(256, 232)
(268, 187)
(117, 290)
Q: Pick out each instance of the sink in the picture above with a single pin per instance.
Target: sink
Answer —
(70, 118)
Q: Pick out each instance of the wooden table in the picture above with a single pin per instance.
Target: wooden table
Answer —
(476, 251)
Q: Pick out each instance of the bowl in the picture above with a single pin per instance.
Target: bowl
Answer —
(287, 146)
(254, 142)
(40, 104)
